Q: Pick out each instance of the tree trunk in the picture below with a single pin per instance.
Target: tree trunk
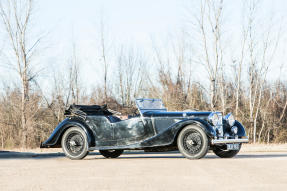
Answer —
(25, 98)
(261, 130)
(212, 94)
(268, 136)
(2, 138)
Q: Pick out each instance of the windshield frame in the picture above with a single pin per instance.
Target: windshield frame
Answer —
(159, 106)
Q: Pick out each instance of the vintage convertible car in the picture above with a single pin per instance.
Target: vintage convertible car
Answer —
(193, 133)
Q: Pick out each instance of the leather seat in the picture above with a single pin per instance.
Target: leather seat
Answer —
(113, 119)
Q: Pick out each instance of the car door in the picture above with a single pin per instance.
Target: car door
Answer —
(102, 128)
(132, 131)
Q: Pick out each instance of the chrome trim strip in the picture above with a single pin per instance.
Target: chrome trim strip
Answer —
(223, 141)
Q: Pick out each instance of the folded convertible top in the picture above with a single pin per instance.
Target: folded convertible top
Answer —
(84, 110)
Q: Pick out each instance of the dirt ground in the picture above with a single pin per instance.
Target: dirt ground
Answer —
(257, 167)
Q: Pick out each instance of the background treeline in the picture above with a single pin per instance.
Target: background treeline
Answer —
(199, 69)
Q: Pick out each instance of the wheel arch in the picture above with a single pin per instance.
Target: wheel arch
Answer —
(54, 141)
(198, 122)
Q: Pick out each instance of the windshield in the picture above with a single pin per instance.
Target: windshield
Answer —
(150, 105)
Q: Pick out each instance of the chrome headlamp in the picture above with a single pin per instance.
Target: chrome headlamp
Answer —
(234, 130)
(230, 119)
(215, 119)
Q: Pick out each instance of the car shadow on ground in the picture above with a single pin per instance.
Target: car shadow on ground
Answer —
(208, 156)
(28, 155)
(127, 154)
(131, 155)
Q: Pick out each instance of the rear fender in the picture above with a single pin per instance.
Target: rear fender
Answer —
(55, 138)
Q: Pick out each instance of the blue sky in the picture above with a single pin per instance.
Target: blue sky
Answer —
(125, 18)
(127, 22)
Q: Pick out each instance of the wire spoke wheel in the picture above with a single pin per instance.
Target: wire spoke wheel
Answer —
(74, 143)
(192, 142)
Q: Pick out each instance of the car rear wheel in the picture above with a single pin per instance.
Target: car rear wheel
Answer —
(226, 153)
(74, 143)
(111, 153)
(192, 142)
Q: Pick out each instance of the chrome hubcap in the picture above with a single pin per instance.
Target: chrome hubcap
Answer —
(75, 143)
(192, 142)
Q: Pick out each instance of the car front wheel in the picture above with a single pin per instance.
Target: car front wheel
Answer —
(226, 153)
(111, 153)
(192, 142)
(74, 143)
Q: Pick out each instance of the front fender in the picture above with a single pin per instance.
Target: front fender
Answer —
(241, 129)
(208, 129)
(169, 136)
(55, 138)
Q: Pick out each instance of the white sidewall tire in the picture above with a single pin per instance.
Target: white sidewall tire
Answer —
(85, 151)
(205, 142)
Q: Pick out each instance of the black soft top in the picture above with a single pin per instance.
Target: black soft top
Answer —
(84, 110)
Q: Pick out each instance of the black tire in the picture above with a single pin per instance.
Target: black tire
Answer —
(192, 142)
(74, 143)
(225, 153)
(111, 153)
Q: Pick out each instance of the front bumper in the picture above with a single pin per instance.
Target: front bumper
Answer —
(226, 141)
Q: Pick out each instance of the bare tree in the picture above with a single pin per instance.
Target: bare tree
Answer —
(130, 69)
(209, 24)
(260, 57)
(104, 58)
(16, 17)
(239, 68)
(74, 81)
